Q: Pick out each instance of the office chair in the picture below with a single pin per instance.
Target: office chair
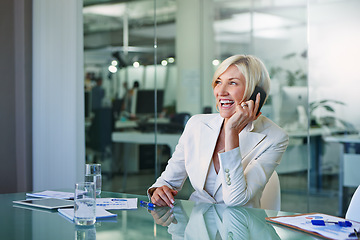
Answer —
(353, 212)
(100, 132)
(271, 197)
(179, 120)
(116, 107)
(350, 174)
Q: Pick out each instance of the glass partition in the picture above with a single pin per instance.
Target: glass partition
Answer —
(130, 87)
(333, 54)
(171, 49)
(276, 32)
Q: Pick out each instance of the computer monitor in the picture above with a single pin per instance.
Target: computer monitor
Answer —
(294, 103)
(145, 102)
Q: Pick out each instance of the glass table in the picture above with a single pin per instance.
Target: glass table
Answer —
(187, 220)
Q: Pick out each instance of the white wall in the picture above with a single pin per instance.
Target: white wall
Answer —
(334, 52)
(154, 73)
(58, 100)
(194, 41)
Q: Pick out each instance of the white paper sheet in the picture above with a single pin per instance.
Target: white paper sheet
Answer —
(330, 230)
(117, 203)
(101, 213)
(52, 194)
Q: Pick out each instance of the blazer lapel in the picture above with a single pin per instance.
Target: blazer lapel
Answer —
(249, 140)
(208, 138)
(209, 133)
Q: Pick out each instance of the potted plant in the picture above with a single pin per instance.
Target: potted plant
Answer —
(326, 119)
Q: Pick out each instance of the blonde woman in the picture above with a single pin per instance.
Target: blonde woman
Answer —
(229, 156)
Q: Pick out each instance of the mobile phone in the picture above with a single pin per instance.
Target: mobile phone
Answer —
(262, 97)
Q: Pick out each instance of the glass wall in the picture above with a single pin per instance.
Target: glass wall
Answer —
(276, 32)
(130, 63)
(141, 51)
(333, 53)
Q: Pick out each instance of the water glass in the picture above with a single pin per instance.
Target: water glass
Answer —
(93, 174)
(85, 204)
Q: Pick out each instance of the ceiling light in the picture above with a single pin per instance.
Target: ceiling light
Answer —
(112, 10)
(215, 62)
(164, 63)
(136, 64)
(112, 69)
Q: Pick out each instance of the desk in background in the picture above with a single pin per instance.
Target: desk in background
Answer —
(296, 156)
(132, 139)
(121, 125)
(349, 164)
(238, 222)
(169, 139)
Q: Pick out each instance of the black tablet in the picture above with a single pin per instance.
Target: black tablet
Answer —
(48, 203)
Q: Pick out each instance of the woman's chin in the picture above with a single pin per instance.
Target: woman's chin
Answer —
(226, 113)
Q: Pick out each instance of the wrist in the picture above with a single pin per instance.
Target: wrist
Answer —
(231, 132)
(231, 140)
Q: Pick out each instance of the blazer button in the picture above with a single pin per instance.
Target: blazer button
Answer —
(228, 182)
(227, 170)
(227, 179)
(230, 236)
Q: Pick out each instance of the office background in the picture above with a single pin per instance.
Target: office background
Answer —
(309, 47)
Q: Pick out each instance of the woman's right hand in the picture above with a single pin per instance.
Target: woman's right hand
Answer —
(163, 196)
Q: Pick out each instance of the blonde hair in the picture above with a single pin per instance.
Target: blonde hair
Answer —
(252, 68)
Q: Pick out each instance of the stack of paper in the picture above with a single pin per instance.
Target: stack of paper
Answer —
(102, 204)
(52, 194)
(330, 230)
(101, 213)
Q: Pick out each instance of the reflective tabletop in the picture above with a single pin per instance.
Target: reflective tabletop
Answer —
(187, 220)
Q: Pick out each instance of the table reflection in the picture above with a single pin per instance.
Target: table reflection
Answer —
(214, 221)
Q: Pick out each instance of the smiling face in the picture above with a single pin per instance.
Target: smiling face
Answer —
(229, 90)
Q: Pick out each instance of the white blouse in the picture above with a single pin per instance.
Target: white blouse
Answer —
(212, 180)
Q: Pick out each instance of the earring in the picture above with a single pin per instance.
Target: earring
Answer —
(217, 108)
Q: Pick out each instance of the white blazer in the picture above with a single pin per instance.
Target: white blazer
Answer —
(244, 171)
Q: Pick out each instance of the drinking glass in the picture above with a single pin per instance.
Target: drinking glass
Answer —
(93, 174)
(85, 204)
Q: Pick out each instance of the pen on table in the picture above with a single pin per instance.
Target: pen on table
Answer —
(340, 223)
(149, 204)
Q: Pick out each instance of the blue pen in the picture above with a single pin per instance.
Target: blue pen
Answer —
(149, 204)
(340, 223)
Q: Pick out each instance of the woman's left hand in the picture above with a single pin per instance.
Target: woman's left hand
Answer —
(245, 113)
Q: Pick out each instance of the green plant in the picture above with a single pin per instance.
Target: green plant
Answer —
(326, 105)
(292, 77)
(298, 75)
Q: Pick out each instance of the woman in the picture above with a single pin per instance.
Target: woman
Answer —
(228, 157)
